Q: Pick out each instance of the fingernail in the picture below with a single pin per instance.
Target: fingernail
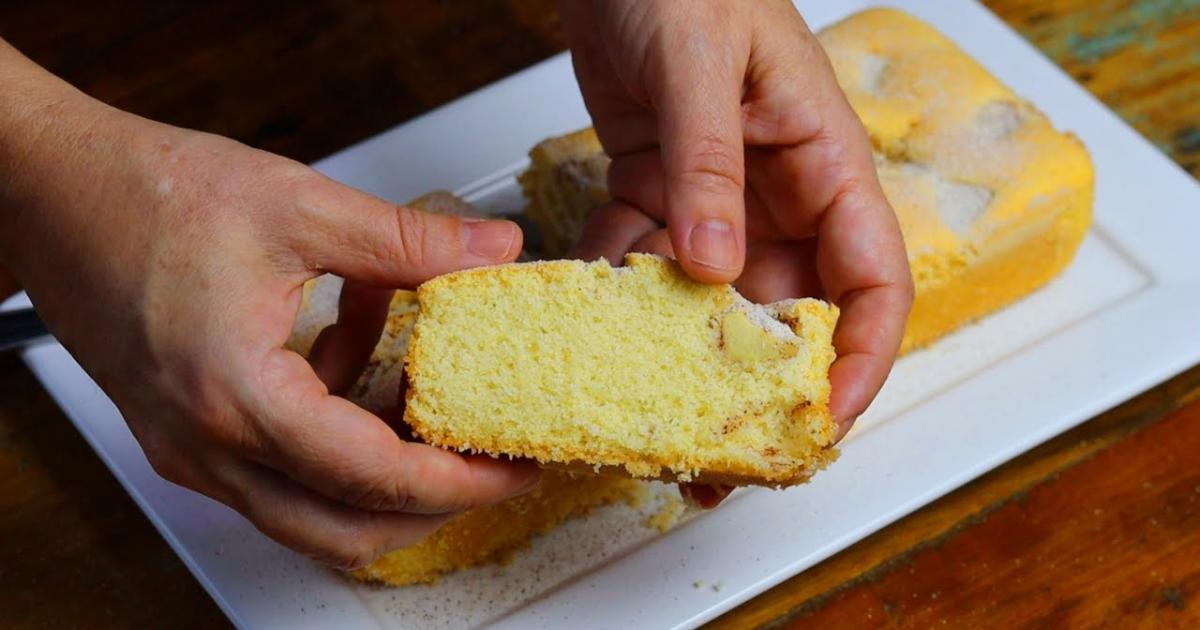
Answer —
(844, 428)
(490, 239)
(713, 244)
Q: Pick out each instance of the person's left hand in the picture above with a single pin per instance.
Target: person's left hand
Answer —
(725, 122)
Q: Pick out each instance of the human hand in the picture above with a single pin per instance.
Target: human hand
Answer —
(170, 264)
(724, 121)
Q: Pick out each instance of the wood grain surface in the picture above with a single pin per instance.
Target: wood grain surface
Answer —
(1108, 542)
(1097, 527)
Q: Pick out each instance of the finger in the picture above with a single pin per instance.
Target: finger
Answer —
(815, 174)
(787, 91)
(808, 144)
(347, 454)
(331, 532)
(610, 232)
(361, 237)
(860, 258)
(699, 105)
(637, 179)
(342, 349)
(656, 242)
(394, 418)
(704, 496)
(779, 271)
(864, 269)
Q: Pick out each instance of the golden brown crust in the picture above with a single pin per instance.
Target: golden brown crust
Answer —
(493, 534)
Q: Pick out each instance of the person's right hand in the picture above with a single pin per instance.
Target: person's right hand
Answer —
(736, 152)
(170, 264)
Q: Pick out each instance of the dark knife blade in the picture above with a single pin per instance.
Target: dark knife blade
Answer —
(20, 328)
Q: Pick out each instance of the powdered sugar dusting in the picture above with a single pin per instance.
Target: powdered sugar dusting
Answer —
(474, 597)
(960, 205)
(764, 316)
(872, 69)
(996, 120)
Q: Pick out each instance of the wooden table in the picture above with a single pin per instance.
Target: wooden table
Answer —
(1099, 526)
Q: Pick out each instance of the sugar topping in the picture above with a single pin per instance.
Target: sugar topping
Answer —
(765, 316)
(872, 69)
(997, 120)
(959, 205)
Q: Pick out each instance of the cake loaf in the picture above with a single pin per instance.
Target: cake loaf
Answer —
(992, 200)
(636, 368)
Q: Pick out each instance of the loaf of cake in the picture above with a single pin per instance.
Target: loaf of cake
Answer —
(636, 368)
(992, 200)
(482, 535)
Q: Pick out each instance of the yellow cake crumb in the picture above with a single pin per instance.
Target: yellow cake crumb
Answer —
(667, 515)
(637, 368)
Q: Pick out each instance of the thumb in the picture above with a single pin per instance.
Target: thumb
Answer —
(700, 126)
(364, 238)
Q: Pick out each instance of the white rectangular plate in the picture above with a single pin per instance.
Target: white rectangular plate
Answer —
(1125, 316)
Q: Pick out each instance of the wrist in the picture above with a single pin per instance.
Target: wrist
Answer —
(31, 102)
(46, 128)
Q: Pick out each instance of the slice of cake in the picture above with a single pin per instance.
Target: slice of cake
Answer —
(637, 368)
(480, 536)
(565, 179)
(992, 200)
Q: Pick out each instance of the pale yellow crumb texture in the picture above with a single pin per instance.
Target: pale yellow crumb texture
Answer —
(667, 515)
(570, 362)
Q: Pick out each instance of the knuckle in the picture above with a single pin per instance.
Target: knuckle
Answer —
(307, 210)
(302, 181)
(352, 553)
(235, 434)
(299, 177)
(373, 492)
(797, 123)
(307, 186)
(166, 463)
(411, 236)
(284, 410)
(713, 166)
(225, 427)
(349, 552)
